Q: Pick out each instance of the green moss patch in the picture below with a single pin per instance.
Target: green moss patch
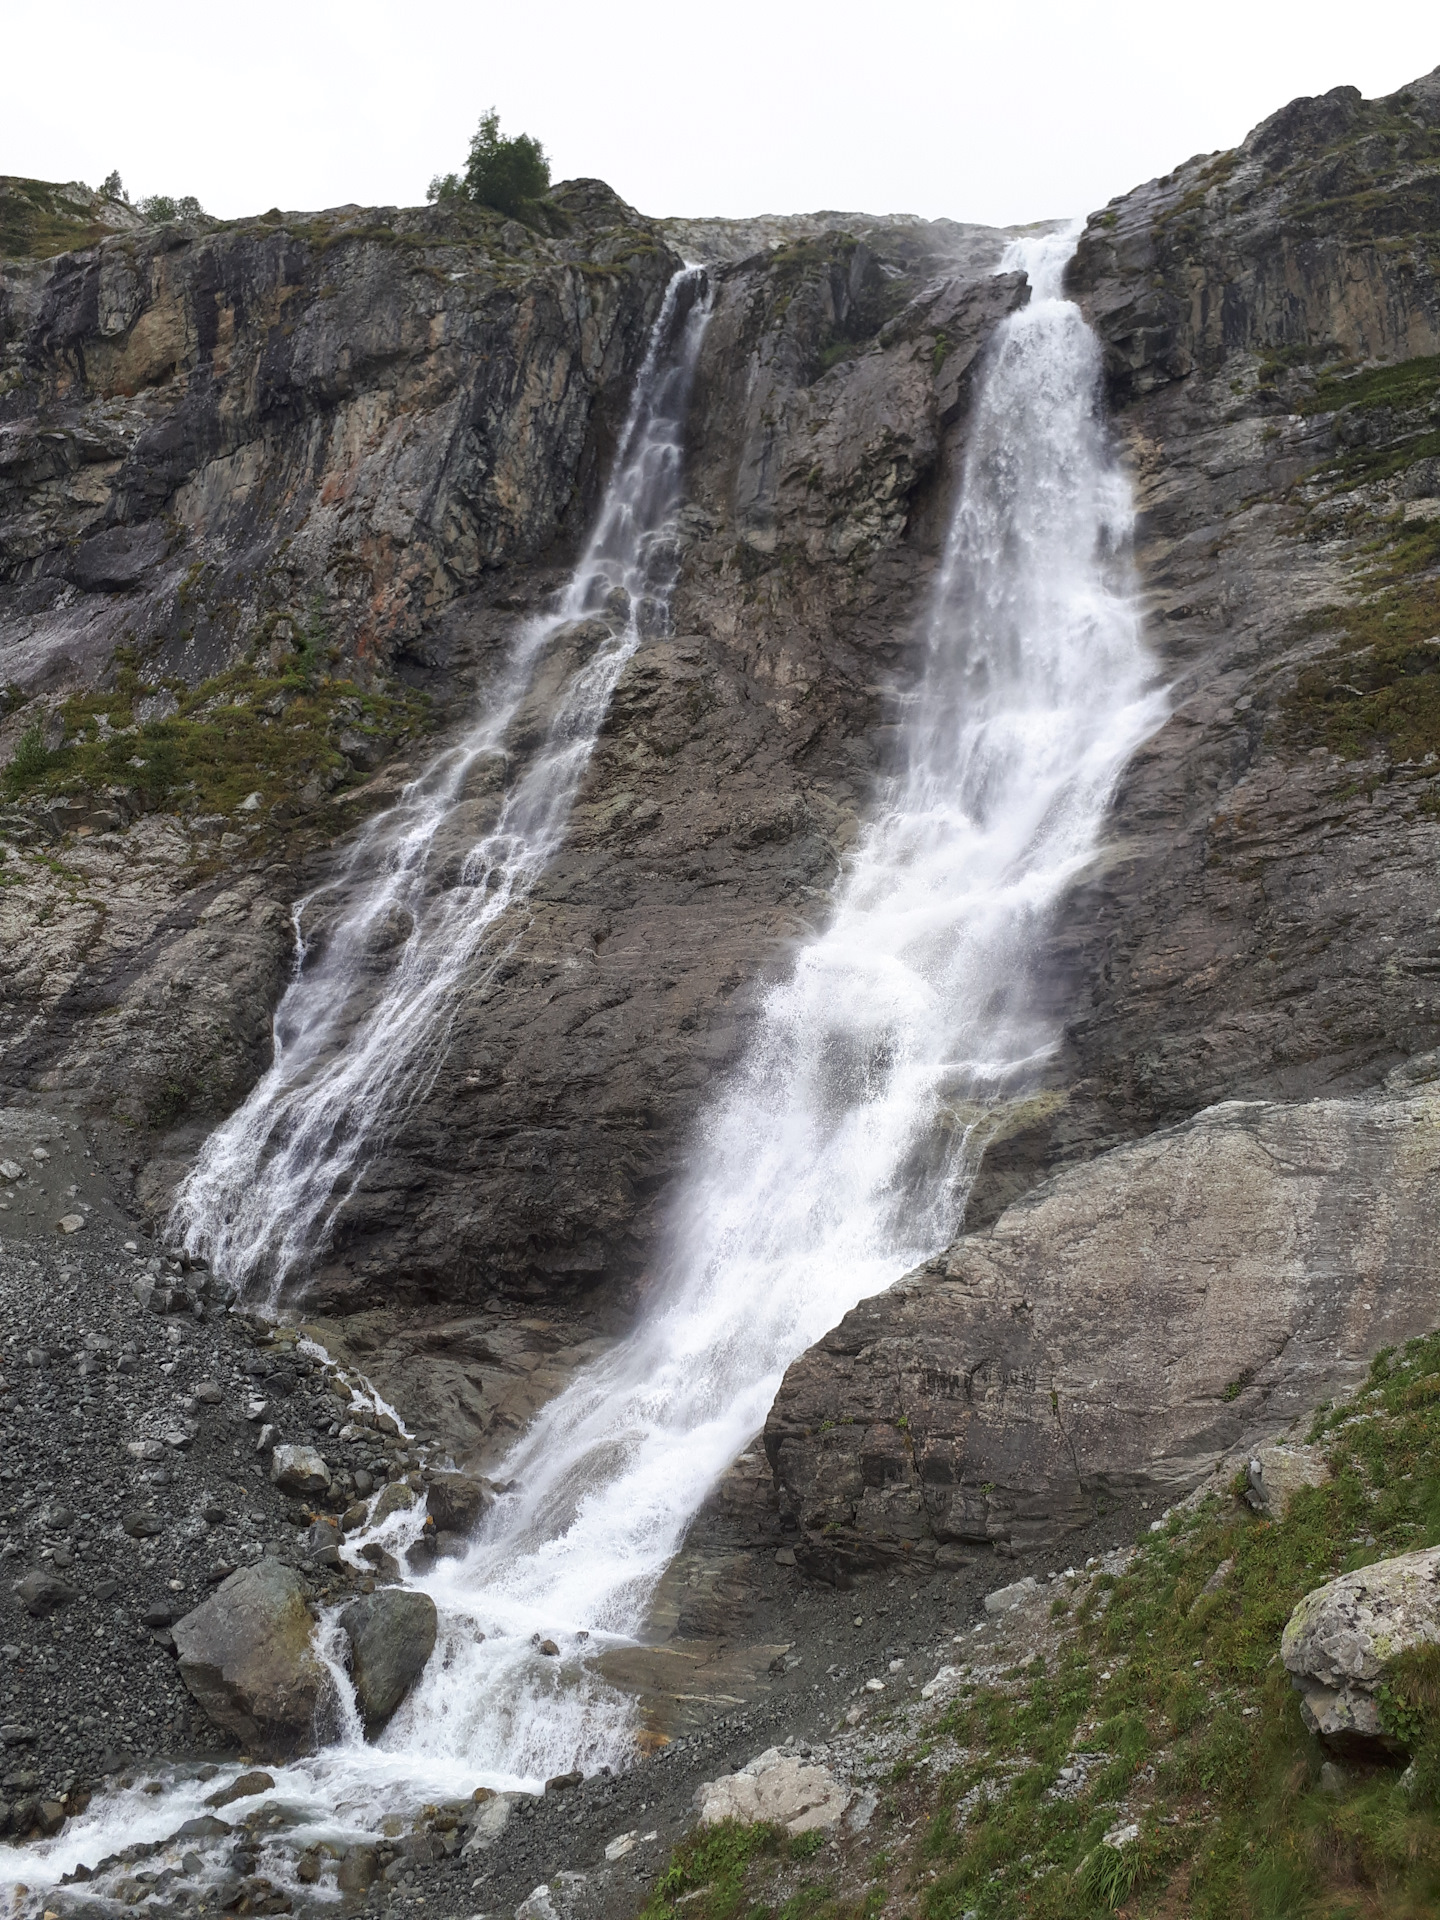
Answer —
(1379, 689)
(243, 732)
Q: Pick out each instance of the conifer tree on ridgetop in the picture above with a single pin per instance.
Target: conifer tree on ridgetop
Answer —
(508, 175)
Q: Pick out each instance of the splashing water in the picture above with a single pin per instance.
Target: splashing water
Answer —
(840, 1155)
(361, 1031)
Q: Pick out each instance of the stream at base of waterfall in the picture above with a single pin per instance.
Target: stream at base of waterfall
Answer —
(839, 1155)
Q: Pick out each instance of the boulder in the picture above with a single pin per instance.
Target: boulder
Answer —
(396, 1498)
(458, 1501)
(778, 1787)
(1278, 1473)
(299, 1470)
(246, 1656)
(243, 1787)
(391, 1635)
(1341, 1639)
(41, 1593)
(1114, 1335)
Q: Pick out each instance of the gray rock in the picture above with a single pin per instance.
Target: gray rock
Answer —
(777, 1786)
(1340, 1640)
(42, 1593)
(391, 1635)
(141, 1524)
(1278, 1473)
(458, 1501)
(299, 1470)
(1038, 1367)
(246, 1655)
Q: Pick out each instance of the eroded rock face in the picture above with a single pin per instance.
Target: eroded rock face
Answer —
(1340, 1641)
(737, 758)
(247, 1657)
(1118, 1331)
(1296, 238)
(392, 1635)
(384, 401)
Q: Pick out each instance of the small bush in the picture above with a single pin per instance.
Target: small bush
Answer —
(30, 760)
(160, 207)
(508, 175)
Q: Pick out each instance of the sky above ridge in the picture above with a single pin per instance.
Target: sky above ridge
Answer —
(996, 112)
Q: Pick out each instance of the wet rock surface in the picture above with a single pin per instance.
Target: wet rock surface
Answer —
(391, 1636)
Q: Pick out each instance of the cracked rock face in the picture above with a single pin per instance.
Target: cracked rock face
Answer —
(1117, 1332)
(1342, 1638)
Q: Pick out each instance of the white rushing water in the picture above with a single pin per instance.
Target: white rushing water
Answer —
(839, 1156)
(425, 900)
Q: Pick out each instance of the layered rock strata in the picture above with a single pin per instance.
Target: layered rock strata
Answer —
(1117, 1333)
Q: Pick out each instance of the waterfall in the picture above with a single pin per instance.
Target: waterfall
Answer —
(839, 1156)
(426, 899)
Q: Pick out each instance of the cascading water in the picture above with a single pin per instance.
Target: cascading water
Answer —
(362, 1028)
(839, 1156)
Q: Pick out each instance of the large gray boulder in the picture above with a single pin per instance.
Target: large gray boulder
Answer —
(391, 1635)
(1116, 1334)
(1341, 1640)
(776, 1786)
(247, 1657)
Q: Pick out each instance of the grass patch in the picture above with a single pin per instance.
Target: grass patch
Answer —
(1158, 1763)
(247, 730)
(1379, 689)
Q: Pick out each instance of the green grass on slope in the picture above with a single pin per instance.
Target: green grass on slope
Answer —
(1174, 1702)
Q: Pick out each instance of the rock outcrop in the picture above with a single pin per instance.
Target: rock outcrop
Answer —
(1342, 1639)
(247, 1657)
(1118, 1332)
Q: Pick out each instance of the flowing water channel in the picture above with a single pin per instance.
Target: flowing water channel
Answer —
(839, 1155)
(362, 1027)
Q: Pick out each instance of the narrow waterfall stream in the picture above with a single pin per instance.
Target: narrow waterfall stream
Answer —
(358, 1036)
(840, 1153)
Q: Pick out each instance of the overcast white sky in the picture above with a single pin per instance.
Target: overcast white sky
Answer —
(994, 112)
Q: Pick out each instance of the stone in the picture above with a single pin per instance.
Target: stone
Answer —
(299, 1470)
(358, 1871)
(209, 1393)
(10, 1169)
(1340, 1640)
(1034, 1365)
(246, 1655)
(394, 1498)
(204, 1826)
(1278, 1473)
(42, 1593)
(244, 1787)
(320, 1543)
(561, 1782)
(1006, 1599)
(392, 1635)
(70, 1223)
(458, 1501)
(779, 1787)
(549, 1649)
(141, 1524)
(151, 1452)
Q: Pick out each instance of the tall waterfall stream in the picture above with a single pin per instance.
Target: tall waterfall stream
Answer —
(839, 1154)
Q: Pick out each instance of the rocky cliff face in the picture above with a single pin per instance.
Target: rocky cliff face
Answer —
(1264, 921)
